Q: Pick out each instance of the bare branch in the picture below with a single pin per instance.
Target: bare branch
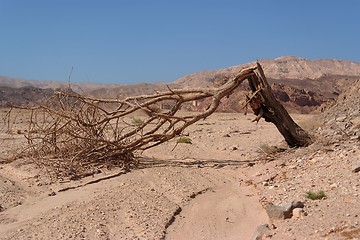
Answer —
(73, 135)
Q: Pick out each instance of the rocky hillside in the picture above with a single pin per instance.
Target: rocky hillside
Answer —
(301, 85)
(331, 166)
(343, 118)
(10, 96)
(283, 68)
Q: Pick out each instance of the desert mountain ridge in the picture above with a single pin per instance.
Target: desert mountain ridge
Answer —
(285, 67)
(301, 84)
(281, 68)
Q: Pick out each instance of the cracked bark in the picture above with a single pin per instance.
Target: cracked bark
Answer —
(265, 105)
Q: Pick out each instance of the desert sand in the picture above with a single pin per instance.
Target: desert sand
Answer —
(215, 188)
(191, 192)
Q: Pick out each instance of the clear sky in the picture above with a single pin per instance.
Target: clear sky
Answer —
(130, 41)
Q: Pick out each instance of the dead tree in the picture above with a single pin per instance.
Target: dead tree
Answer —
(73, 135)
(265, 105)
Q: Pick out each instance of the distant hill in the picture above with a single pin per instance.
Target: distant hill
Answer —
(282, 68)
(78, 87)
(302, 85)
(11, 96)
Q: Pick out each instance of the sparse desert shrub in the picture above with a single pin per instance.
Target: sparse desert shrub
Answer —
(137, 121)
(184, 140)
(315, 195)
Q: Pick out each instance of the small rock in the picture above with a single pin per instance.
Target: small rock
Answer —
(341, 118)
(277, 212)
(281, 212)
(226, 135)
(342, 125)
(312, 161)
(356, 121)
(261, 232)
(355, 138)
(283, 164)
(52, 193)
(250, 164)
(333, 186)
(233, 148)
(297, 212)
(356, 168)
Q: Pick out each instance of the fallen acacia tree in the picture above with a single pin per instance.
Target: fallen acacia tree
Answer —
(73, 135)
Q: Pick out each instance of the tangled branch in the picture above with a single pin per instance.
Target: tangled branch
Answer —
(73, 135)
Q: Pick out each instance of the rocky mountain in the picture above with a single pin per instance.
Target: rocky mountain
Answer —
(302, 85)
(282, 68)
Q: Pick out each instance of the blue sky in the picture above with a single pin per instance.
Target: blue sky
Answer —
(130, 41)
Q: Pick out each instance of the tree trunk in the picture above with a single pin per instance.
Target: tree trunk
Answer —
(265, 105)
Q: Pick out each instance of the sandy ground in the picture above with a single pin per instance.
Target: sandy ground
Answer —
(213, 188)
